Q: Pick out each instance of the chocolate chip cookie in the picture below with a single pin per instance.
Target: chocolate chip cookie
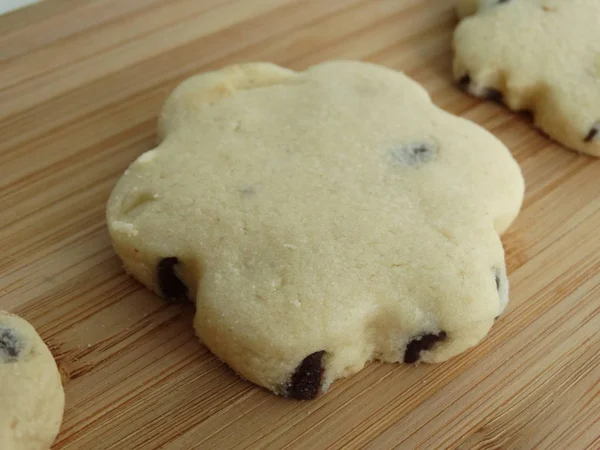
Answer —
(319, 220)
(541, 56)
(31, 393)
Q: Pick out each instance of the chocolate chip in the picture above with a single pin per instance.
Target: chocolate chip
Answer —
(592, 134)
(493, 94)
(171, 287)
(528, 113)
(502, 1)
(414, 154)
(464, 81)
(10, 346)
(502, 287)
(248, 191)
(305, 383)
(420, 343)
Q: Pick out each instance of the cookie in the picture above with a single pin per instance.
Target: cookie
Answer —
(319, 220)
(541, 56)
(31, 393)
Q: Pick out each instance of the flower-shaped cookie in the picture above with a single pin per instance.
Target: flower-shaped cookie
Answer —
(319, 220)
(537, 55)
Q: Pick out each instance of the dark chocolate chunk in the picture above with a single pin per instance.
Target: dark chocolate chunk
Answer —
(414, 154)
(420, 343)
(528, 113)
(489, 94)
(171, 287)
(464, 81)
(493, 94)
(592, 134)
(10, 347)
(306, 379)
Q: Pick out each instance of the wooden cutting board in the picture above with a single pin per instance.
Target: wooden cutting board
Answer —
(81, 83)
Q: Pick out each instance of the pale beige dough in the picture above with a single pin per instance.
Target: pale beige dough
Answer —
(334, 212)
(537, 55)
(31, 394)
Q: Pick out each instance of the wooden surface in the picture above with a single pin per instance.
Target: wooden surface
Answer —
(81, 83)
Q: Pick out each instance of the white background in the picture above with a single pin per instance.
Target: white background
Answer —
(8, 5)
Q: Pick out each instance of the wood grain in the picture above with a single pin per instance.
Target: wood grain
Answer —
(81, 83)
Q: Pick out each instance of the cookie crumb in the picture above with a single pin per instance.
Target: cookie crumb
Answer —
(125, 227)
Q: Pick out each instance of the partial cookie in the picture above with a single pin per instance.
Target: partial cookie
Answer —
(537, 55)
(319, 220)
(31, 393)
